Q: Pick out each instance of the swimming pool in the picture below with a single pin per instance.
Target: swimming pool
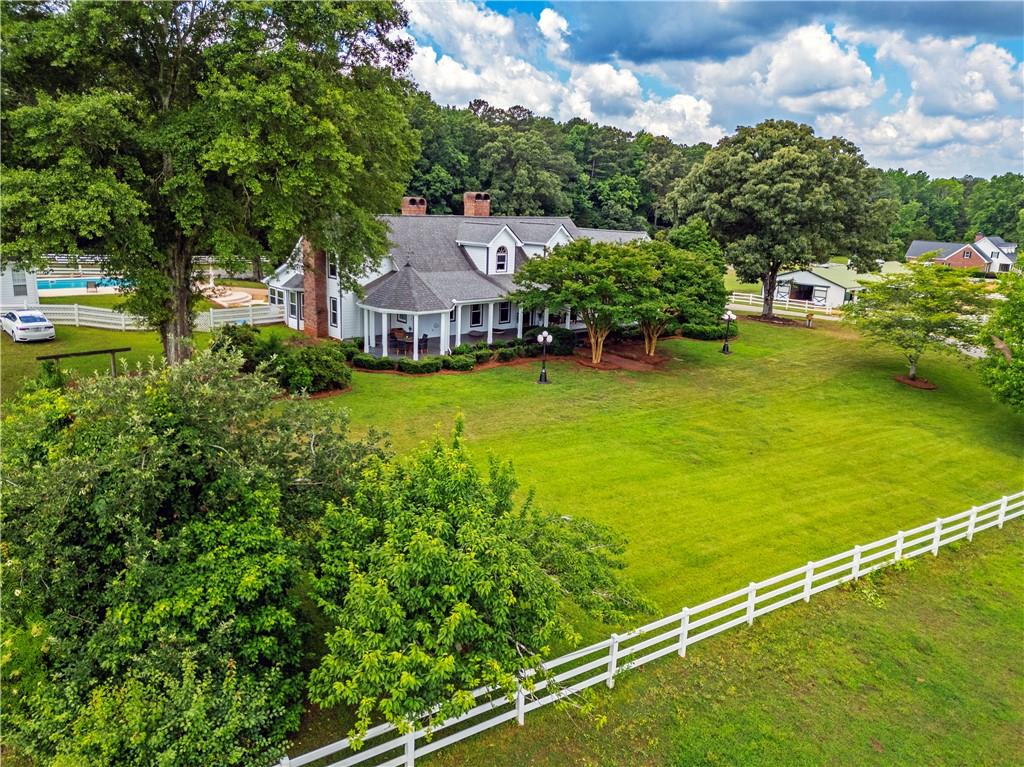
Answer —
(60, 283)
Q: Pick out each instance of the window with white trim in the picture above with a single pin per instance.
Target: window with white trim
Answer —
(451, 315)
(332, 269)
(334, 312)
(403, 318)
(501, 259)
(967, 253)
(293, 305)
(20, 283)
(504, 312)
(476, 316)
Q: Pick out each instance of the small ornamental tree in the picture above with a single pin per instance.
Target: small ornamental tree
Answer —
(927, 307)
(687, 288)
(1003, 337)
(597, 280)
(439, 583)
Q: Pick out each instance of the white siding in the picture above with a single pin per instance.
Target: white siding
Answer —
(504, 239)
(835, 295)
(7, 297)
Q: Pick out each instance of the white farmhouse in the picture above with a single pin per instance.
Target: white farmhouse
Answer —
(445, 280)
(18, 287)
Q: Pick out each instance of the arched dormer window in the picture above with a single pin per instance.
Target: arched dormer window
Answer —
(501, 259)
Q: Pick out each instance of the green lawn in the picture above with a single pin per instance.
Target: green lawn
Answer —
(230, 282)
(733, 284)
(106, 301)
(927, 671)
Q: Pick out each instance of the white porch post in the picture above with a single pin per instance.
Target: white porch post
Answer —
(490, 323)
(458, 324)
(546, 313)
(366, 331)
(415, 336)
(442, 345)
(384, 322)
(568, 318)
(519, 322)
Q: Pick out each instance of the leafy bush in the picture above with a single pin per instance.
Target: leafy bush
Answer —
(350, 349)
(500, 344)
(483, 355)
(418, 367)
(312, 368)
(463, 349)
(369, 362)
(459, 362)
(507, 354)
(708, 332)
(563, 340)
(50, 376)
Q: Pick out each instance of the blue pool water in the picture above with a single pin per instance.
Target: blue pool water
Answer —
(77, 282)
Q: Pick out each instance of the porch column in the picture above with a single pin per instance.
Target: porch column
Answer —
(568, 318)
(366, 331)
(546, 313)
(458, 324)
(519, 322)
(415, 336)
(385, 320)
(443, 341)
(490, 323)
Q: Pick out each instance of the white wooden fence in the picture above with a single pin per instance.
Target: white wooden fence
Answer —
(756, 299)
(97, 317)
(671, 635)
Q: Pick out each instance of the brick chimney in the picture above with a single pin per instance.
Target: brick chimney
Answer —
(476, 204)
(979, 236)
(314, 291)
(414, 206)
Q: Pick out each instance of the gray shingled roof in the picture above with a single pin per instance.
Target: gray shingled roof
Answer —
(920, 247)
(404, 291)
(295, 282)
(612, 235)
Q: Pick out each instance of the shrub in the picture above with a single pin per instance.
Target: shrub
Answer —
(459, 362)
(506, 354)
(564, 340)
(462, 349)
(500, 344)
(312, 368)
(418, 367)
(350, 349)
(242, 338)
(707, 332)
(369, 362)
(483, 355)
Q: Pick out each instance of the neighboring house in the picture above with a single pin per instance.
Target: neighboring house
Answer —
(826, 285)
(446, 277)
(986, 254)
(18, 287)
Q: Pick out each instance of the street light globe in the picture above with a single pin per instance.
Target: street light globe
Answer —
(544, 337)
(728, 316)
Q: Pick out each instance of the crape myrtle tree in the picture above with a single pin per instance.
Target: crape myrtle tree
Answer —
(926, 307)
(597, 280)
(438, 582)
(779, 197)
(156, 527)
(687, 288)
(153, 133)
(1003, 337)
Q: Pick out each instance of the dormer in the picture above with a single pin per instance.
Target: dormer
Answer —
(491, 246)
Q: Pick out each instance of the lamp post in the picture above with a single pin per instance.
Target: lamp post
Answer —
(728, 318)
(544, 338)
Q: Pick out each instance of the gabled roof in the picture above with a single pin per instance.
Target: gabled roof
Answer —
(404, 291)
(975, 249)
(920, 247)
(837, 274)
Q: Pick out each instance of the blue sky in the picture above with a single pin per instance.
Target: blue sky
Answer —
(934, 86)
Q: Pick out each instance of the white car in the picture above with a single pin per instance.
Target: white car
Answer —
(28, 325)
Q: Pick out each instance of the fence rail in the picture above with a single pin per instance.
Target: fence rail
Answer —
(108, 319)
(671, 635)
(756, 299)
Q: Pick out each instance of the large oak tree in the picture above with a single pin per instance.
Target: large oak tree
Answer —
(155, 133)
(779, 197)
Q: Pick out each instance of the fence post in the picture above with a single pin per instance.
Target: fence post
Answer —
(76, 315)
(410, 747)
(684, 631)
(938, 535)
(285, 761)
(211, 319)
(613, 660)
(899, 546)
(808, 581)
(856, 562)
(751, 597)
(124, 322)
(971, 522)
(1002, 510)
(520, 704)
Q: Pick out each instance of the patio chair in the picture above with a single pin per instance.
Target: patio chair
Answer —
(424, 343)
(398, 340)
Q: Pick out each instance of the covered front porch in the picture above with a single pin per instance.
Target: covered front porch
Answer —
(391, 332)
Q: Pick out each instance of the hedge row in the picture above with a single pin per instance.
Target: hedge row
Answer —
(297, 366)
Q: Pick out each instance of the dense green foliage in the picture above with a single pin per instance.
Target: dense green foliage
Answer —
(777, 196)
(926, 307)
(155, 132)
(438, 582)
(420, 366)
(154, 530)
(369, 362)
(298, 366)
(1003, 337)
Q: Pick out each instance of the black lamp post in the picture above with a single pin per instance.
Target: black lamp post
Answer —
(728, 318)
(544, 338)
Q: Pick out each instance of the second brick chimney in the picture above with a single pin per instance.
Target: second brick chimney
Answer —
(979, 236)
(476, 204)
(414, 206)
(314, 291)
